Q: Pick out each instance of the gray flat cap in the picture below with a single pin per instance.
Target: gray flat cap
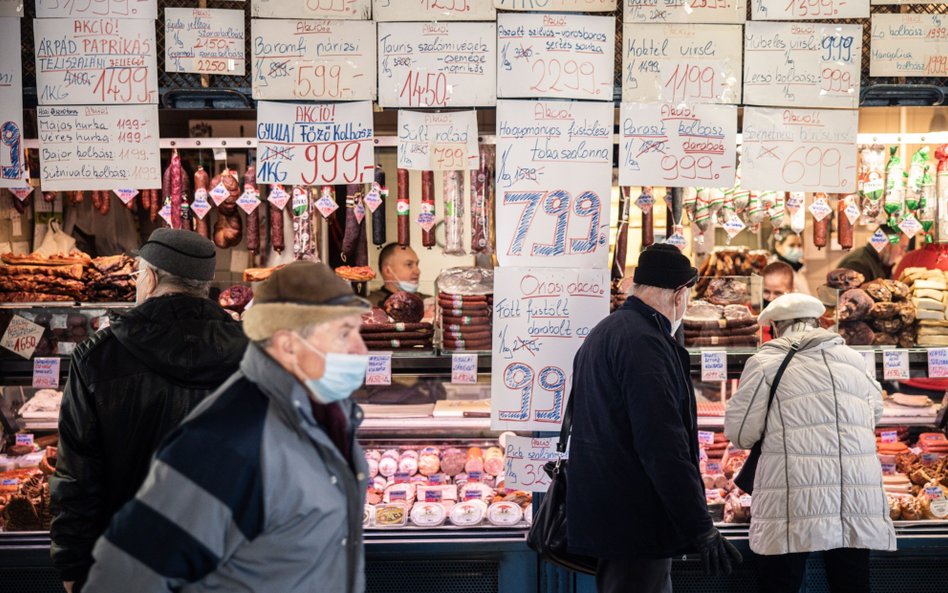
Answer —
(182, 253)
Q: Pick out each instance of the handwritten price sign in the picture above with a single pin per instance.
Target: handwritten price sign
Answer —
(21, 337)
(525, 458)
(314, 60)
(802, 64)
(315, 144)
(811, 150)
(433, 10)
(130, 9)
(311, 9)
(558, 5)
(554, 174)
(541, 317)
(13, 165)
(665, 144)
(99, 147)
(909, 45)
(547, 55)
(437, 64)
(684, 11)
(808, 10)
(95, 61)
(681, 63)
(437, 141)
(204, 41)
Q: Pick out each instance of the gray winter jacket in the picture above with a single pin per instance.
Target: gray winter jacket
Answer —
(248, 494)
(819, 483)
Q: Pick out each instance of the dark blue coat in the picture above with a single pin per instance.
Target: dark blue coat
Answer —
(635, 488)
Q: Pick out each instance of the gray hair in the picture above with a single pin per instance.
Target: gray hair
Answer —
(167, 283)
(305, 332)
(640, 289)
(793, 326)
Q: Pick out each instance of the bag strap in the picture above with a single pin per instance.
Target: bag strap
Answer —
(794, 348)
(566, 426)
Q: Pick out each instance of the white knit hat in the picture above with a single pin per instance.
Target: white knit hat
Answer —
(792, 306)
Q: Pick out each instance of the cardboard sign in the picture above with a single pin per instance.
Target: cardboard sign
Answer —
(379, 371)
(909, 45)
(314, 60)
(13, 163)
(554, 182)
(311, 9)
(713, 366)
(681, 63)
(22, 336)
(99, 147)
(11, 8)
(95, 61)
(204, 41)
(315, 143)
(464, 369)
(524, 458)
(541, 318)
(895, 365)
(437, 64)
(46, 372)
(433, 10)
(938, 363)
(810, 150)
(802, 64)
(566, 56)
(681, 146)
(126, 9)
(557, 5)
(437, 141)
(809, 10)
(684, 11)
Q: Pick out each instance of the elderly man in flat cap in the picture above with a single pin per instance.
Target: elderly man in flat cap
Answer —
(262, 488)
(636, 498)
(130, 385)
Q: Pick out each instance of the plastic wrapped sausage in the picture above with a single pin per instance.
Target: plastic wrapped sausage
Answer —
(154, 204)
(482, 184)
(177, 189)
(302, 223)
(820, 227)
(378, 215)
(403, 209)
(253, 218)
(277, 241)
(844, 225)
(201, 180)
(453, 212)
(427, 209)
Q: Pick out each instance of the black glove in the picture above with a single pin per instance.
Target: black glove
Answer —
(717, 554)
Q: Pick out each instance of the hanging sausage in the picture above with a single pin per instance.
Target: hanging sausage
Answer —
(453, 212)
(403, 209)
(378, 215)
(427, 217)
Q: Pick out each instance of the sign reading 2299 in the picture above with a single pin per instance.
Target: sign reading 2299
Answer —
(554, 223)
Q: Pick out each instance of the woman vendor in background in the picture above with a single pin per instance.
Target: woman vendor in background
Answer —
(788, 249)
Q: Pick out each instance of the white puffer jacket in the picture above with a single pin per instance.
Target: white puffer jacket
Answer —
(819, 482)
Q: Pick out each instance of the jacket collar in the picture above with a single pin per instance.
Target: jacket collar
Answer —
(634, 303)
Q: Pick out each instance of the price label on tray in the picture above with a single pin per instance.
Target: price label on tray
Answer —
(895, 364)
(46, 372)
(938, 363)
(379, 371)
(24, 439)
(890, 436)
(932, 492)
(705, 437)
(713, 365)
(464, 369)
(746, 501)
(714, 468)
(888, 469)
(22, 336)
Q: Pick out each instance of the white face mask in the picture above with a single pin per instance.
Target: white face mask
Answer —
(406, 285)
(676, 321)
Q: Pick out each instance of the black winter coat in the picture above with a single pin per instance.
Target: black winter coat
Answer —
(129, 386)
(635, 487)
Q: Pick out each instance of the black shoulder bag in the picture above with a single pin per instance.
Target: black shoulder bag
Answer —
(745, 478)
(547, 536)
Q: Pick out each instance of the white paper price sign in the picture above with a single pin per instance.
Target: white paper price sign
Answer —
(809, 10)
(204, 41)
(802, 64)
(464, 369)
(681, 146)
(895, 364)
(99, 147)
(437, 64)
(557, 5)
(525, 458)
(22, 336)
(541, 317)
(684, 11)
(433, 10)
(555, 55)
(312, 9)
(315, 143)
(379, 371)
(129, 9)
(909, 45)
(713, 365)
(554, 182)
(11, 8)
(681, 63)
(95, 61)
(437, 141)
(812, 150)
(318, 60)
(13, 164)
(938, 363)
(46, 372)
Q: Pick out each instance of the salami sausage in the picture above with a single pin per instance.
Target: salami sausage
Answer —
(96, 200)
(453, 212)
(378, 217)
(351, 236)
(105, 201)
(622, 236)
(201, 181)
(154, 205)
(428, 207)
(78, 197)
(177, 189)
(403, 209)
(228, 230)
(481, 184)
(820, 228)
(276, 226)
(844, 227)
(253, 218)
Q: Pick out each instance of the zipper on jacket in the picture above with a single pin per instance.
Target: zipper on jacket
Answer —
(839, 440)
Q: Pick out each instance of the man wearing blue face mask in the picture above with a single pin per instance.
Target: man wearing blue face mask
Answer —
(398, 266)
(262, 487)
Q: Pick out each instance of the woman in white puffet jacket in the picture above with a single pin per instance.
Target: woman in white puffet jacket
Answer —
(818, 485)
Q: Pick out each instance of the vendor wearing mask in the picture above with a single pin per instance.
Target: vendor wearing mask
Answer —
(788, 248)
(398, 266)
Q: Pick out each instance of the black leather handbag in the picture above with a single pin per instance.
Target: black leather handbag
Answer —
(547, 536)
(745, 478)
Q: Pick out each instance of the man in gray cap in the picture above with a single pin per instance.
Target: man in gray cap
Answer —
(130, 385)
(262, 488)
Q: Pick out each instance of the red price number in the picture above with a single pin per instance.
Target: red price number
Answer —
(836, 80)
(319, 81)
(572, 75)
(812, 8)
(521, 377)
(212, 65)
(691, 81)
(449, 158)
(335, 163)
(532, 474)
(688, 167)
(814, 167)
(212, 43)
(428, 90)
(123, 85)
(329, 5)
(710, 4)
(559, 205)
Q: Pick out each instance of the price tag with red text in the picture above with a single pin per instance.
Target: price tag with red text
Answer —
(22, 336)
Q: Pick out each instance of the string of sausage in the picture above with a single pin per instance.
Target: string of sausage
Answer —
(176, 189)
(453, 196)
(201, 179)
(481, 183)
(820, 228)
(648, 220)
(378, 217)
(350, 239)
(845, 228)
(276, 225)
(622, 236)
(428, 206)
(253, 218)
(403, 209)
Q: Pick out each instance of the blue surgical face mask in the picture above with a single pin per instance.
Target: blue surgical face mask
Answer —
(794, 254)
(342, 375)
(407, 286)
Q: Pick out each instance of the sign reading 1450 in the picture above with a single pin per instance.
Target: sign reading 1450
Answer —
(550, 213)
